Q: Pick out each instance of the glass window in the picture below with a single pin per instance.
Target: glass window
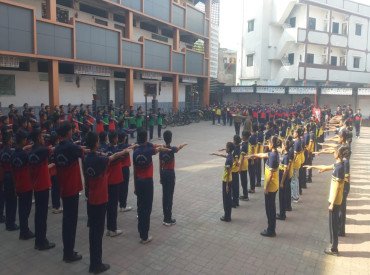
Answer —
(358, 29)
(291, 58)
(356, 62)
(335, 28)
(7, 85)
(312, 23)
(250, 58)
(310, 58)
(292, 22)
(251, 25)
(333, 60)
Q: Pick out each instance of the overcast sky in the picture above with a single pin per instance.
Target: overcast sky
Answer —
(231, 22)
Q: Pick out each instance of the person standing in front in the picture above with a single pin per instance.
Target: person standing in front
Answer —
(358, 122)
(67, 155)
(143, 177)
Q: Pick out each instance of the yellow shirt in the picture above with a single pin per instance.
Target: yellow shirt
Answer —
(244, 165)
(224, 177)
(336, 185)
(273, 160)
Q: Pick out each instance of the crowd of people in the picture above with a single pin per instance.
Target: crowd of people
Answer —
(285, 140)
(67, 152)
(64, 152)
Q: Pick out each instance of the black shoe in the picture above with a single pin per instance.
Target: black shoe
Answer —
(26, 236)
(265, 233)
(289, 209)
(258, 184)
(304, 187)
(243, 198)
(279, 217)
(74, 258)
(234, 206)
(45, 246)
(251, 191)
(13, 227)
(100, 269)
(341, 234)
(173, 221)
(309, 180)
(2, 219)
(329, 251)
(225, 219)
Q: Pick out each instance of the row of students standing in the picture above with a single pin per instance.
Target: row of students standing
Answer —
(284, 174)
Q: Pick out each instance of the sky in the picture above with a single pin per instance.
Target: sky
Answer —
(231, 22)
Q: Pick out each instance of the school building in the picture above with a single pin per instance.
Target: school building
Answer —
(69, 51)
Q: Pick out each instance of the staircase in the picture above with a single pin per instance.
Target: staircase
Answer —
(283, 8)
(288, 38)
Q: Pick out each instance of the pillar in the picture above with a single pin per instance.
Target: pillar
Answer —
(176, 40)
(129, 89)
(175, 93)
(206, 91)
(129, 25)
(51, 10)
(208, 8)
(53, 83)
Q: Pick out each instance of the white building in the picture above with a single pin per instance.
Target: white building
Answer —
(305, 42)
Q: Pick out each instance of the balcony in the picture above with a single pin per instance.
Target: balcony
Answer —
(339, 40)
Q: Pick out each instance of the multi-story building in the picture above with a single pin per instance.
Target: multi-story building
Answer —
(305, 43)
(71, 51)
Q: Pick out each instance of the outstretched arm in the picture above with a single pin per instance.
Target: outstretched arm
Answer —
(219, 155)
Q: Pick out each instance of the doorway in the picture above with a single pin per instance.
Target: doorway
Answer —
(102, 91)
(119, 93)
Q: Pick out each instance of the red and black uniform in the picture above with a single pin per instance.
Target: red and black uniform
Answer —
(96, 176)
(123, 188)
(9, 188)
(167, 168)
(23, 188)
(67, 156)
(39, 161)
(143, 173)
(115, 178)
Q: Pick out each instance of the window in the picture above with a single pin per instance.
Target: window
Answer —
(310, 58)
(251, 25)
(93, 10)
(333, 60)
(148, 27)
(356, 62)
(344, 29)
(118, 18)
(312, 23)
(291, 58)
(292, 22)
(358, 29)
(335, 28)
(7, 85)
(250, 58)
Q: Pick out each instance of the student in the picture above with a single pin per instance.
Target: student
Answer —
(357, 122)
(151, 124)
(235, 171)
(67, 155)
(126, 163)
(23, 184)
(9, 186)
(96, 174)
(160, 117)
(115, 178)
(285, 174)
(55, 192)
(226, 181)
(298, 159)
(143, 176)
(39, 167)
(167, 174)
(335, 195)
(252, 164)
(243, 165)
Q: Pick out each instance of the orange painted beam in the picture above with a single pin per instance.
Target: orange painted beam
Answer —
(175, 93)
(53, 83)
(51, 9)
(176, 39)
(129, 24)
(206, 91)
(129, 89)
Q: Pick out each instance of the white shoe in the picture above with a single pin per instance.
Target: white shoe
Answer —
(167, 224)
(114, 233)
(57, 210)
(150, 238)
(125, 209)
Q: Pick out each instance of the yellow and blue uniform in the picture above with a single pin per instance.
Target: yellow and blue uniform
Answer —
(243, 164)
(272, 185)
(343, 207)
(252, 149)
(235, 176)
(226, 192)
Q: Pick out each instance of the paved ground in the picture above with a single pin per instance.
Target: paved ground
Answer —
(200, 243)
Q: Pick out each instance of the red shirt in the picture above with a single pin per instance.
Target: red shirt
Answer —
(115, 175)
(21, 171)
(38, 158)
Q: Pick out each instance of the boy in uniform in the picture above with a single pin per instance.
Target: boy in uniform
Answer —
(243, 165)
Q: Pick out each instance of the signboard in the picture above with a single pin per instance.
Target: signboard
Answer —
(92, 70)
(336, 91)
(151, 76)
(363, 91)
(9, 62)
(242, 90)
(302, 91)
(188, 79)
(270, 90)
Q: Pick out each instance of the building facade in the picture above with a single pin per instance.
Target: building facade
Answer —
(227, 66)
(69, 51)
(305, 43)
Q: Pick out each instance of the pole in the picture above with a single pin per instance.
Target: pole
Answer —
(146, 112)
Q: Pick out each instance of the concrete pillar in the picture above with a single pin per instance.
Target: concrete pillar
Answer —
(206, 91)
(51, 10)
(176, 40)
(129, 24)
(175, 93)
(129, 89)
(53, 83)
